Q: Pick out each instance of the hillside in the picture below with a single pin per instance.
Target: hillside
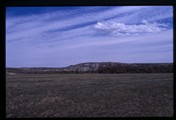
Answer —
(101, 67)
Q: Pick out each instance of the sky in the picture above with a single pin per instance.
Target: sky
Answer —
(67, 35)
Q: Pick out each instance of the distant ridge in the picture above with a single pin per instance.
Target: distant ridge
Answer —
(100, 67)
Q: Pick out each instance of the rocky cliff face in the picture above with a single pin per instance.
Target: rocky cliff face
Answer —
(89, 66)
(83, 67)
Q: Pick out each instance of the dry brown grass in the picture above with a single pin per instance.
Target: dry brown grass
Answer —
(89, 95)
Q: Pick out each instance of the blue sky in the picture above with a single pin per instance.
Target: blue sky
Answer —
(61, 36)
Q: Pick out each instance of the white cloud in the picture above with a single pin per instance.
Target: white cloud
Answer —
(40, 38)
(119, 29)
(31, 25)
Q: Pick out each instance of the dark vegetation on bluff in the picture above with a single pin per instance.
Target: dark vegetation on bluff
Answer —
(137, 68)
(101, 67)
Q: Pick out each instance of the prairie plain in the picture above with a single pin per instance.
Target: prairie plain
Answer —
(89, 95)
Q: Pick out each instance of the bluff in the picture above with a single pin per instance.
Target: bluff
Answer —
(101, 67)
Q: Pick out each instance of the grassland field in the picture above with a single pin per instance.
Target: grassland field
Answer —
(89, 95)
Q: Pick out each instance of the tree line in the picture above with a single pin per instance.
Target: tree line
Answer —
(136, 69)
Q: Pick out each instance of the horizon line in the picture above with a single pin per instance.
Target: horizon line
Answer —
(92, 62)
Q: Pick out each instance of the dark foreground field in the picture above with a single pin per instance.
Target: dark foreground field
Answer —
(89, 95)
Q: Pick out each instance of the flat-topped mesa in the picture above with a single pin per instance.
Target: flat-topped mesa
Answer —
(117, 67)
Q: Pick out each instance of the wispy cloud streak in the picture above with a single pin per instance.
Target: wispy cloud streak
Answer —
(70, 31)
